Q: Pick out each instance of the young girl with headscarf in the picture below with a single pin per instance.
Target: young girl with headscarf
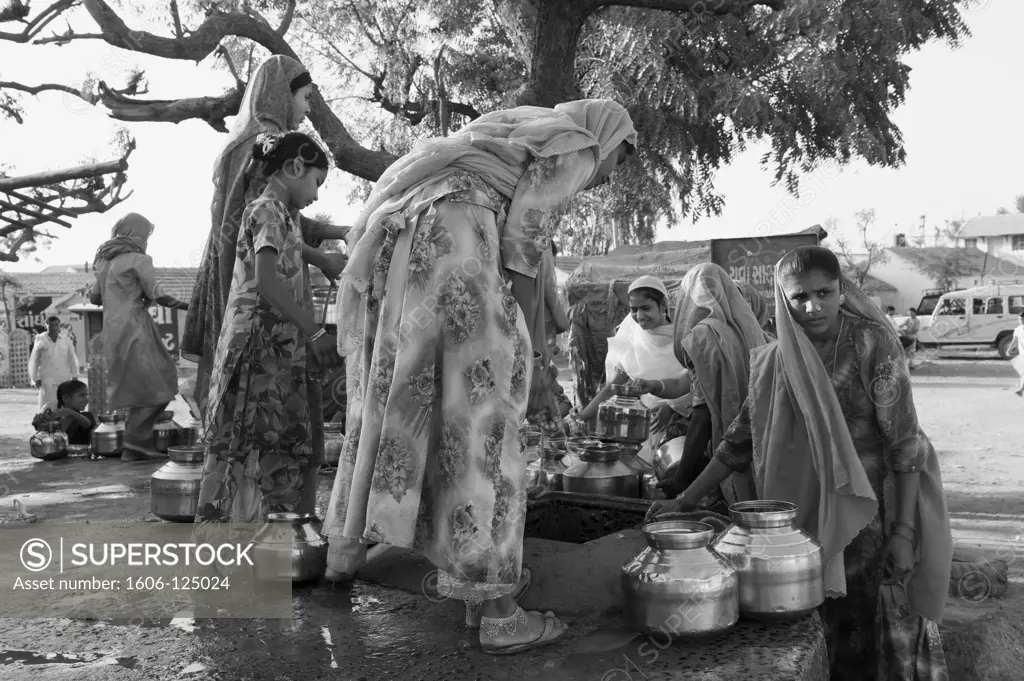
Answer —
(715, 330)
(436, 317)
(141, 375)
(830, 425)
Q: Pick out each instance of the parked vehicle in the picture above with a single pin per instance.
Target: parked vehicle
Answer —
(977, 318)
(929, 301)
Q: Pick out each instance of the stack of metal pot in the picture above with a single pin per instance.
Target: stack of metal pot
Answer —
(334, 442)
(108, 438)
(166, 432)
(546, 474)
(677, 586)
(779, 566)
(289, 547)
(623, 419)
(174, 489)
(600, 471)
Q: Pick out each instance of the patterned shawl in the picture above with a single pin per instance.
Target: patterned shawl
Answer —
(800, 435)
(498, 147)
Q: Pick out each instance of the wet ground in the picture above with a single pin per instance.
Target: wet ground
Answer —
(373, 632)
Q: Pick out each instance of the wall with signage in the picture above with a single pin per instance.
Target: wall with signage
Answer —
(753, 259)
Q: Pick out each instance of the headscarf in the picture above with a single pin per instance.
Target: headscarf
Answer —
(498, 148)
(804, 454)
(129, 235)
(266, 106)
(716, 329)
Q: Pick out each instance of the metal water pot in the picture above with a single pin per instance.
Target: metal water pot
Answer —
(49, 444)
(623, 417)
(779, 565)
(289, 547)
(678, 586)
(174, 488)
(600, 472)
(189, 433)
(166, 432)
(649, 489)
(108, 438)
(547, 473)
(668, 454)
(574, 448)
(334, 441)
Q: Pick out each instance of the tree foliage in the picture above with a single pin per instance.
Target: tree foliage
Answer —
(817, 79)
(860, 257)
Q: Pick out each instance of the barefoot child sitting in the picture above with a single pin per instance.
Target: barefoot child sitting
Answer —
(70, 414)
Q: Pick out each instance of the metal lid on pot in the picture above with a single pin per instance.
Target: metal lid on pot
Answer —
(763, 514)
(624, 390)
(597, 451)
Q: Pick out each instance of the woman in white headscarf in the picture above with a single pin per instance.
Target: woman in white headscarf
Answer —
(640, 349)
(830, 426)
(439, 316)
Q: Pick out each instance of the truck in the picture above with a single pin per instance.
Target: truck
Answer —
(929, 301)
(978, 318)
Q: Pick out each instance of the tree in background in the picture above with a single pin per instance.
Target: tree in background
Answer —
(702, 78)
(946, 265)
(862, 255)
(1020, 203)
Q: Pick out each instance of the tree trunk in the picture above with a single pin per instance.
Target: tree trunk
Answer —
(555, 39)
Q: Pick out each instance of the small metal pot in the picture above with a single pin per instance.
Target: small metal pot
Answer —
(623, 417)
(678, 586)
(547, 473)
(174, 488)
(779, 565)
(334, 441)
(649, 487)
(49, 444)
(668, 454)
(166, 432)
(600, 472)
(289, 547)
(108, 438)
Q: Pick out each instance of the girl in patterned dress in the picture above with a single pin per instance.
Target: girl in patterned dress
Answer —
(258, 417)
(829, 424)
(436, 311)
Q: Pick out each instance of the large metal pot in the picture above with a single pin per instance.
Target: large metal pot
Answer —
(174, 488)
(779, 565)
(289, 547)
(547, 473)
(649, 487)
(166, 432)
(678, 586)
(600, 472)
(108, 438)
(623, 417)
(49, 444)
(668, 454)
(334, 441)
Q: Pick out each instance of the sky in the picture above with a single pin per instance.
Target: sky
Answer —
(961, 126)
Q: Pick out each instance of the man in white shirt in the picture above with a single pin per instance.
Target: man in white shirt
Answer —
(52, 362)
(1018, 361)
(889, 312)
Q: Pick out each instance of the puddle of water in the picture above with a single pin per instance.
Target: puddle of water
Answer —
(194, 668)
(364, 603)
(26, 658)
(326, 633)
(187, 624)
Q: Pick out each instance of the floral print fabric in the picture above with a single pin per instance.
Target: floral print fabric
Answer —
(438, 385)
(258, 415)
(884, 429)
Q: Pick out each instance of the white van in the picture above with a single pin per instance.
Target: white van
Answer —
(979, 317)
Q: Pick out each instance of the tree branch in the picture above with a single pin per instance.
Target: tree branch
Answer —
(708, 7)
(40, 22)
(286, 20)
(176, 17)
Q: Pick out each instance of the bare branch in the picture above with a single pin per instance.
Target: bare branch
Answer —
(286, 20)
(40, 22)
(45, 87)
(708, 7)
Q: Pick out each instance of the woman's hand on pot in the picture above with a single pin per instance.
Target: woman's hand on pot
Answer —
(640, 384)
(572, 426)
(667, 506)
(668, 484)
(660, 416)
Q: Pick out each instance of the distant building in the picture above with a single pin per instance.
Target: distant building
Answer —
(904, 270)
(1001, 235)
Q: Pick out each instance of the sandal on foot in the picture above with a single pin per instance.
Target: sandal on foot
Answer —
(473, 607)
(554, 631)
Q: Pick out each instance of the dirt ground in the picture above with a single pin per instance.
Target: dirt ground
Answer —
(967, 407)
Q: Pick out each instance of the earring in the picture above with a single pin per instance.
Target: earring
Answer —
(842, 298)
